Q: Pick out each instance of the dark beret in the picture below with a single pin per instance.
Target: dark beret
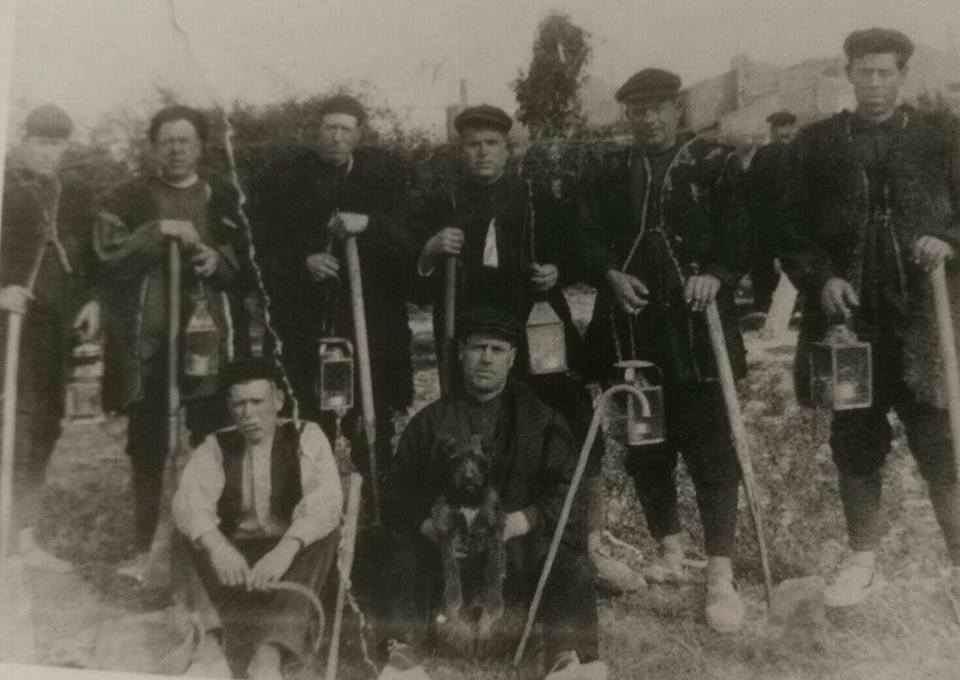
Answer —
(483, 116)
(344, 103)
(49, 121)
(490, 320)
(781, 118)
(650, 83)
(878, 41)
(247, 369)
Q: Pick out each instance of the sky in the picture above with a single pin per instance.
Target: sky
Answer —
(93, 56)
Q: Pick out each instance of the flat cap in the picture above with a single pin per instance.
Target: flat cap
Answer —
(878, 41)
(492, 320)
(49, 121)
(781, 118)
(483, 116)
(344, 103)
(650, 83)
(248, 369)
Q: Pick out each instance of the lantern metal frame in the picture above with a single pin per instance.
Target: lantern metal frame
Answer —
(324, 346)
(833, 391)
(544, 317)
(638, 374)
(84, 384)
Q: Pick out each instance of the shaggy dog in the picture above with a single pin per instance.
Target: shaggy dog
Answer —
(469, 522)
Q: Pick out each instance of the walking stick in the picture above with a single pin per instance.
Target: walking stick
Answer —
(739, 434)
(568, 506)
(948, 351)
(449, 324)
(363, 367)
(344, 566)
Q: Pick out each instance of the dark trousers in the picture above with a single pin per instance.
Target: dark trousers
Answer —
(568, 610)
(282, 618)
(697, 427)
(860, 442)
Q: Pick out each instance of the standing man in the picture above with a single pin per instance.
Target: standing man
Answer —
(514, 248)
(299, 237)
(46, 267)
(872, 206)
(132, 237)
(260, 502)
(531, 462)
(766, 180)
(666, 234)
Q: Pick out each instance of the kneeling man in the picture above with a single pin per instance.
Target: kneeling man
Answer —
(260, 502)
(530, 460)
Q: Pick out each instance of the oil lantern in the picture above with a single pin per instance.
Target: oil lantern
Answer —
(335, 377)
(201, 341)
(841, 375)
(83, 400)
(546, 342)
(645, 422)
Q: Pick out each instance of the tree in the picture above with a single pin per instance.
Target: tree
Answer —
(548, 95)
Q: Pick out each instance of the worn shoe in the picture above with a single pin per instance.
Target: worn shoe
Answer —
(668, 568)
(723, 608)
(856, 578)
(266, 664)
(208, 660)
(567, 666)
(612, 576)
(35, 557)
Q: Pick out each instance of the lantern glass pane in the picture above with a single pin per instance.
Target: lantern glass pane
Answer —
(644, 430)
(546, 348)
(336, 383)
(853, 382)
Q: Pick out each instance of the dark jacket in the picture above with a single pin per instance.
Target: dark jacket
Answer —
(532, 462)
(291, 203)
(826, 215)
(133, 256)
(702, 228)
(530, 227)
(766, 180)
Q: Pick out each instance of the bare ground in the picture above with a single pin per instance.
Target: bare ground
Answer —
(907, 631)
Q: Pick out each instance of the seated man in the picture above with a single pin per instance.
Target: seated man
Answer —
(261, 502)
(531, 460)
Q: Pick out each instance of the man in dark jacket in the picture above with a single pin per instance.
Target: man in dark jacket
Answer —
(766, 179)
(137, 222)
(872, 205)
(514, 248)
(665, 235)
(531, 458)
(298, 234)
(46, 268)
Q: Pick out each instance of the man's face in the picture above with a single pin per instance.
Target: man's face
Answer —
(339, 136)
(485, 153)
(42, 155)
(654, 122)
(254, 407)
(783, 133)
(178, 149)
(876, 80)
(486, 361)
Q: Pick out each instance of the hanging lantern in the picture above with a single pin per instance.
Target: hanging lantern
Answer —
(546, 340)
(334, 386)
(201, 341)
(83, 398)
(645, 422)
(841, 371)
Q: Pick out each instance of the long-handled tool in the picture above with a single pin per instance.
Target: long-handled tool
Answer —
(345, 567)
(948, 353)
(363, 367)
(739, 434)
(446, 360)
(568, 506)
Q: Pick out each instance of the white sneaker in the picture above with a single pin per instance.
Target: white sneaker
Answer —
(856, 578)
(35, 557)
(568, 667)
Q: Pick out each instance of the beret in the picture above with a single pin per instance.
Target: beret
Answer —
(483, 116)
(490, 320)
(781, 118)
(650, 83)
(49, 121)
(344, 103)
(877, 41)
(247, 369)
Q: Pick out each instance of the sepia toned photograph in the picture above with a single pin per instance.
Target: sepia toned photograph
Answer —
(460, 340)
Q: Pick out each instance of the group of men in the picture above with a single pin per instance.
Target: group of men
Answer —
(857, 209)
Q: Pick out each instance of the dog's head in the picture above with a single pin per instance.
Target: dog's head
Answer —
(467, 475)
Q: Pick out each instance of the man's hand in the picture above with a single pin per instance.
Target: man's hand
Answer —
(838, 298)
(447, 241)
(14, 299)
(271, 567)
(543, 276)
(701, 291)
(204, 260)
(228, 564)
(323, 266)
(629, 292)
(515, 525)
(87, 323)
(930, 251)
(342, 225)
(182, 230)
